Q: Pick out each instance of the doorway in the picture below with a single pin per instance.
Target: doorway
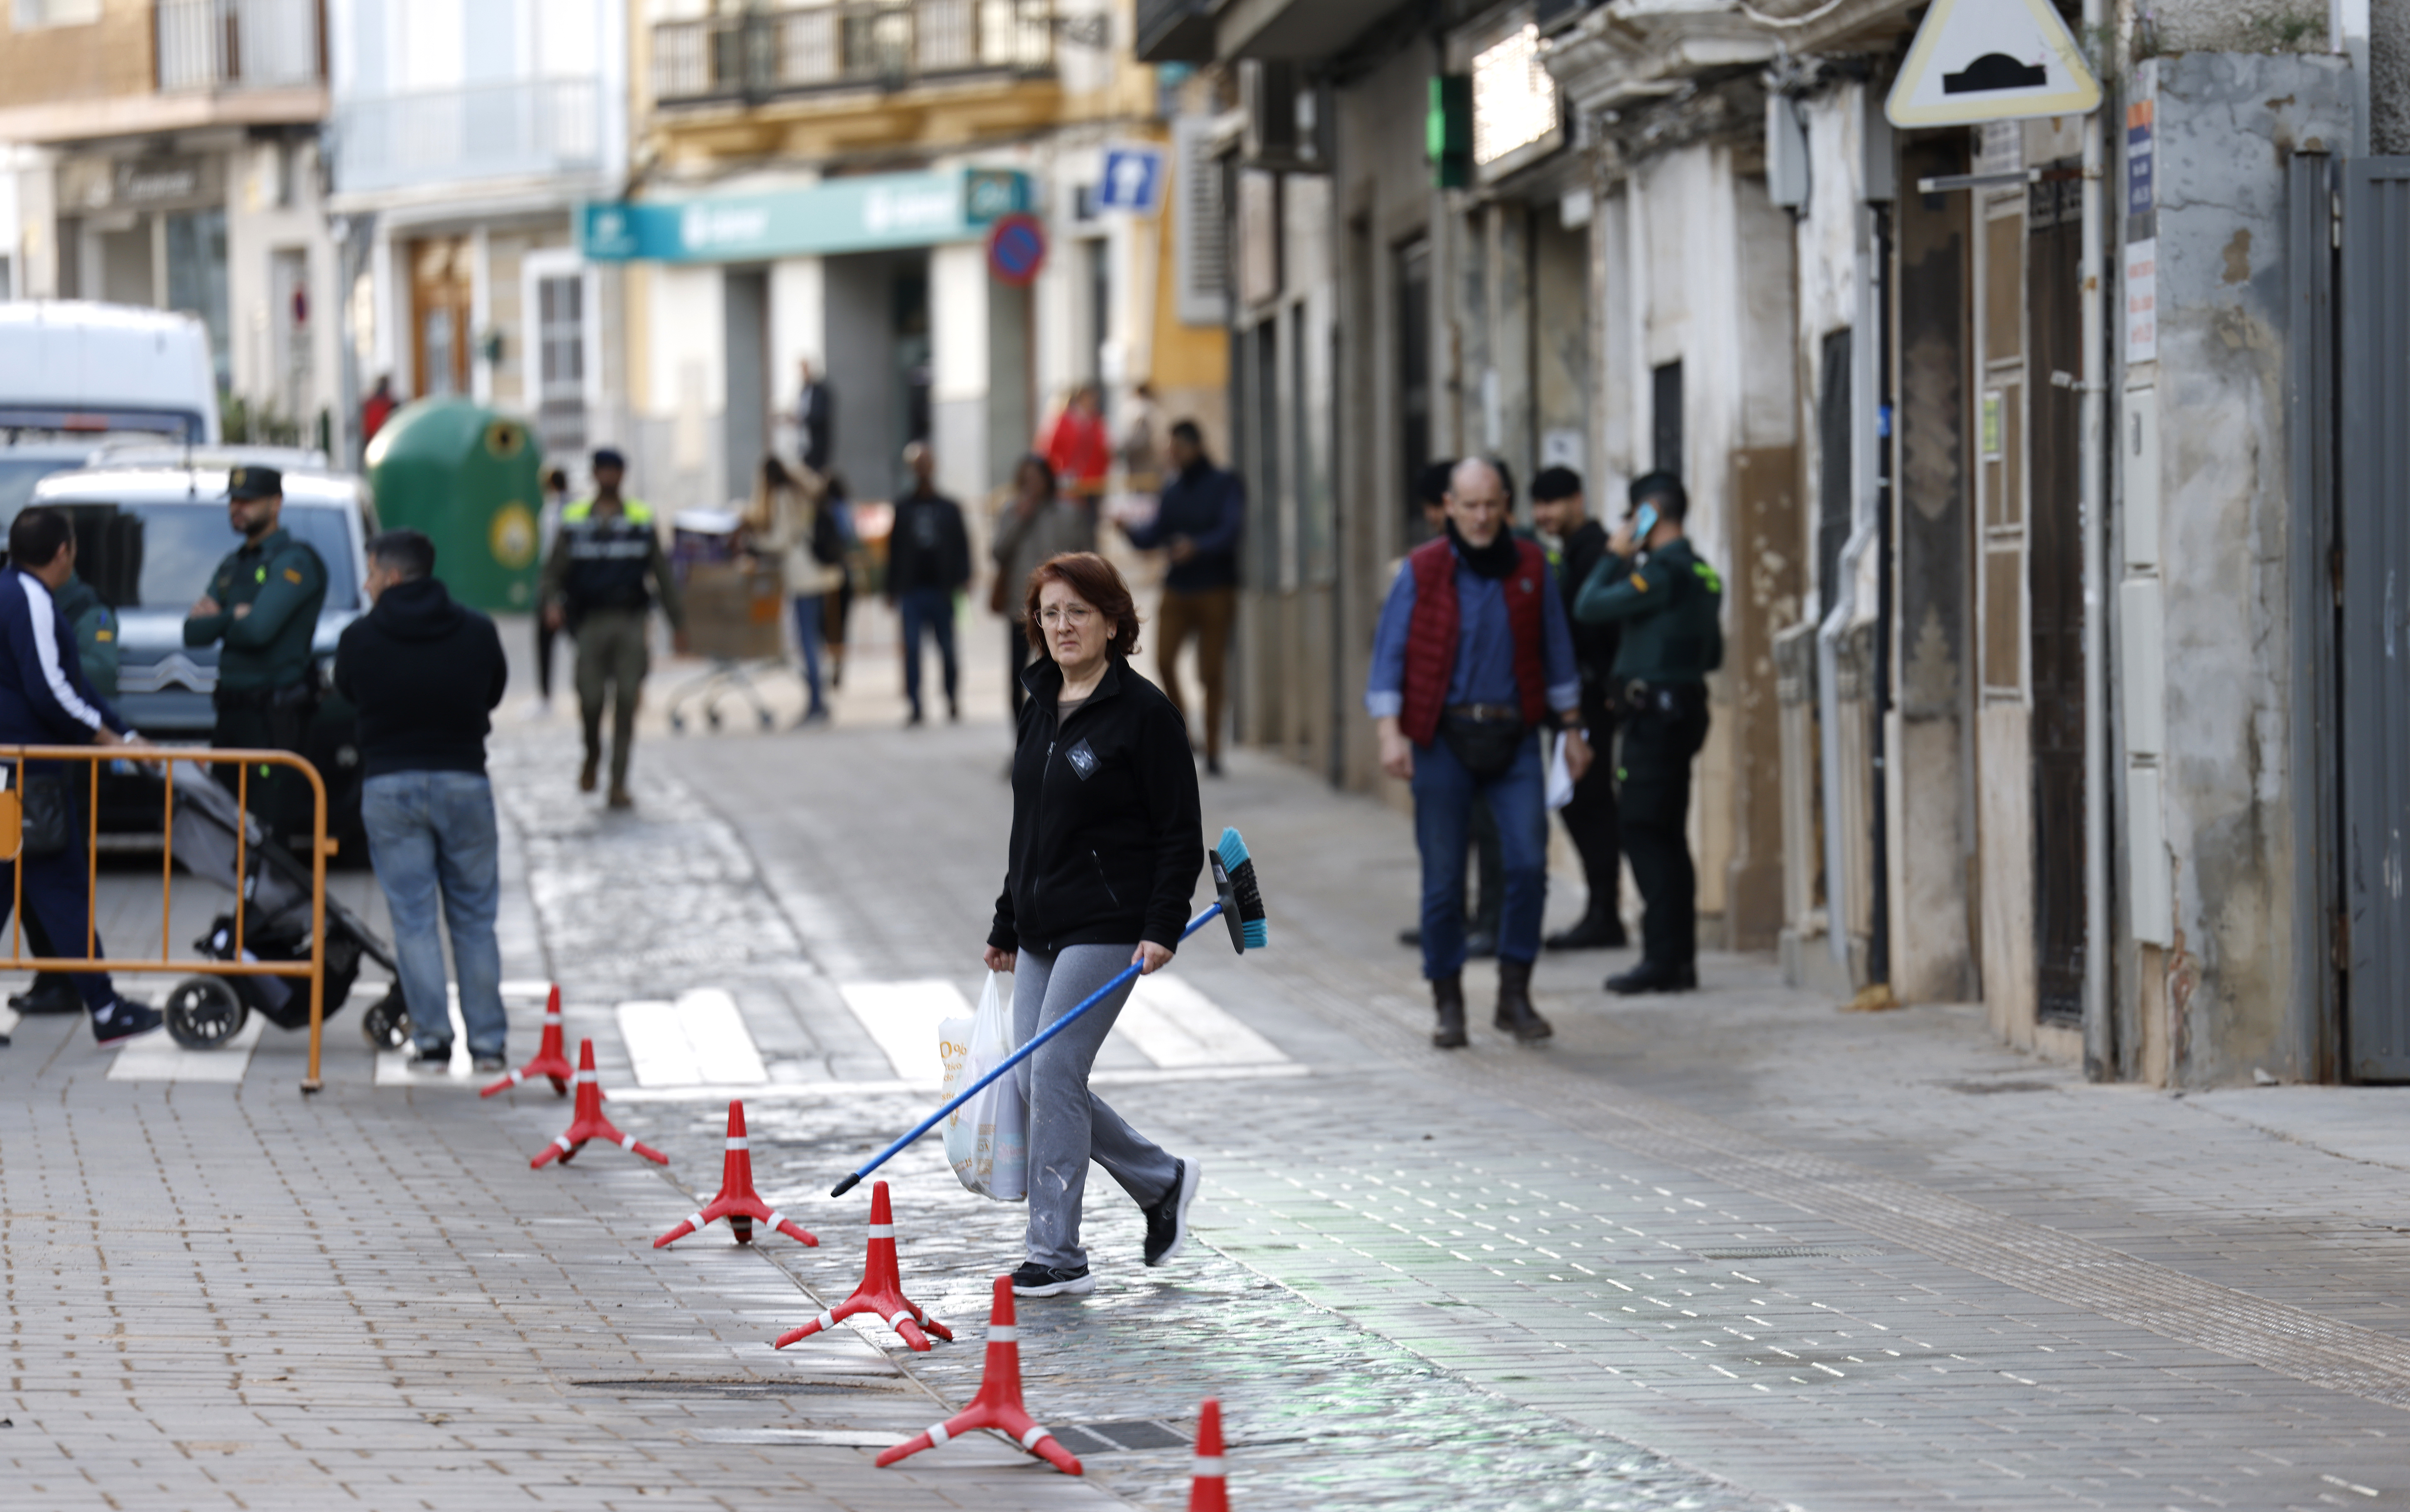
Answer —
(2054, 243)
(442, 299)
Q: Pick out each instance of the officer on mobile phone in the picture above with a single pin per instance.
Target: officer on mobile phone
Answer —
(1669, 605)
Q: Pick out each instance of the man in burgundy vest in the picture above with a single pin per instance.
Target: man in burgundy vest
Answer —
(1472, 656)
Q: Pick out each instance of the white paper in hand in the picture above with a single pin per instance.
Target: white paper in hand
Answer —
(1560, 776)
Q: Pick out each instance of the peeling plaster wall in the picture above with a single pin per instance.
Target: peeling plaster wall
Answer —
(2241, 25)
(2227, 123)
(2389, 74)
(1710, 260)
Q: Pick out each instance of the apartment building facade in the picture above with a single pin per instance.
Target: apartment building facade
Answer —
(819, 182)
(465, 136)
(2010, 438)
(166, 153)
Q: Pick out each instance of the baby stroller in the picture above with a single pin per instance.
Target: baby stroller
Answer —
(204, 1012)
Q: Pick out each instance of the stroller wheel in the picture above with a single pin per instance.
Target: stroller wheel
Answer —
(386, 1023)
(204, 1012)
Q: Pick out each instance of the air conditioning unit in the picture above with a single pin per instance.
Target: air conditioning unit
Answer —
(1287, 119)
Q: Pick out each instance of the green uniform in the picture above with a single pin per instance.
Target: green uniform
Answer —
(1669, 605)
(604, 572)
(95, 631)
(267, 687)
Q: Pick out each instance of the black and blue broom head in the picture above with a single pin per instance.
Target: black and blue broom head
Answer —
(1243, 900)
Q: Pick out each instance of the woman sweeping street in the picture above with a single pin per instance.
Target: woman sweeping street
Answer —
(1105, 852)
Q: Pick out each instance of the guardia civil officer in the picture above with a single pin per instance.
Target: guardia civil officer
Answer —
(596, 582)
(261, 611)
(1668, 603)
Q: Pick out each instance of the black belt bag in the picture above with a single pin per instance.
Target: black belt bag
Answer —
(1488, 748)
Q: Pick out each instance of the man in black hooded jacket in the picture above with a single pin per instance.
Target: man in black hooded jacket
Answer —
(425, 673)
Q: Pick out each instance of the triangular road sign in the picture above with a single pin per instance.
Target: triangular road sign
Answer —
(1990, 60)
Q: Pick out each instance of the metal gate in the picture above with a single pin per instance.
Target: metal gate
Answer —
(2373, 540)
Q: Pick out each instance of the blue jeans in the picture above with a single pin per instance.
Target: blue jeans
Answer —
(807, 638)
(430, 833)
(1444, 795)
(932, 608)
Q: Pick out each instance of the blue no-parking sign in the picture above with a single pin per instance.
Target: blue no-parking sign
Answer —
(1133, 180)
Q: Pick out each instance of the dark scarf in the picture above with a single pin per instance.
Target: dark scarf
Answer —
(1494, 561)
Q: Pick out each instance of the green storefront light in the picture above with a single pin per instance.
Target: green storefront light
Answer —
(1447, 130)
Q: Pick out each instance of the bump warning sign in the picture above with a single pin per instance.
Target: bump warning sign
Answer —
(1990, 60)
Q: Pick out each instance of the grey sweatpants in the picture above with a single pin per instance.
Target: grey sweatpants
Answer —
(1070, 1125)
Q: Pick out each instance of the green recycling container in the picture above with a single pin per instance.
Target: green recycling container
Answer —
(470, 479)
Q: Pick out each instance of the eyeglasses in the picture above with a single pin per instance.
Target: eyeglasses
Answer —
(1074, 615)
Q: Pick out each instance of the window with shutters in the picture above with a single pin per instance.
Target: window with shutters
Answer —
(561, 338)
(1200, 231)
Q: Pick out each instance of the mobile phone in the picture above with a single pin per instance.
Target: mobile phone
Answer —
(1644, 521)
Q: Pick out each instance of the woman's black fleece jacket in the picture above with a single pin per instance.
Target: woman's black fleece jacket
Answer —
(1107, 838)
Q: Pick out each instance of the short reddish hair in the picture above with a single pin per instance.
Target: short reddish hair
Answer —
(1098, 585)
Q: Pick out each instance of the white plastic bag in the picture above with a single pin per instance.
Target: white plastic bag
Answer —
(1560, 776)
(987, 1139)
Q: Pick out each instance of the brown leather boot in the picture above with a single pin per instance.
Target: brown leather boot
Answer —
(585, 773)
(1447, 995)
(1516, 1015)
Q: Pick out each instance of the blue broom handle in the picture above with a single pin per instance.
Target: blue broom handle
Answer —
(1125, 975)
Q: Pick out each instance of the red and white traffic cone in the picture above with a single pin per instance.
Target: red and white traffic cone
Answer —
(737, 1201)
(588, 1122)
(550, 1060)
(1206, 1491)
(881, 1292)
(997, 1406)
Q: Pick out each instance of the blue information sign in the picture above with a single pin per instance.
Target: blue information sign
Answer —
(1133, 180)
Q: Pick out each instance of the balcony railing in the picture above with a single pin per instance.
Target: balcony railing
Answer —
(514, 129)
(239, 44)
(884, 44)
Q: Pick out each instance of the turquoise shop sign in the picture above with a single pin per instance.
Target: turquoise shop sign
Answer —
(858, 215)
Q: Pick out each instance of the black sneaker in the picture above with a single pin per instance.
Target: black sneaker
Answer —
(47, 997)
(1651, 977)
(1035, 1280)
(439, 1056)
(487, 1064)
(1167, 1222)
(122, 1021)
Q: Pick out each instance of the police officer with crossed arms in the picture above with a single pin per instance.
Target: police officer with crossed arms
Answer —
(261, 611)
(1669, 606)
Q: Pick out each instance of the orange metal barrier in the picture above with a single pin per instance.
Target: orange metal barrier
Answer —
(13, 759)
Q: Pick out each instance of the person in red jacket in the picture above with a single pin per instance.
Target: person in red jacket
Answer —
(377, 408)
(1079, 449)
(1474, 655)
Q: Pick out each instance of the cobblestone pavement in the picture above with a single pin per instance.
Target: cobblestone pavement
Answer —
(1735, 1250)
(1834, 1259)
